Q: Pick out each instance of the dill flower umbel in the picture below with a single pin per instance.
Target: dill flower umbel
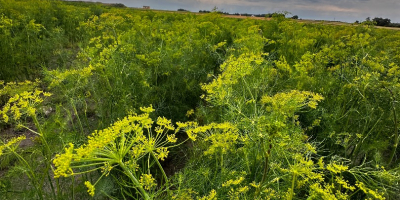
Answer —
(147, 181)
(63, 162)
(335, 168)
(11, 143)
(121, 144)
(22, 103)
(90, 188)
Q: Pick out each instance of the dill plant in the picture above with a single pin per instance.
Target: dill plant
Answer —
(24, 100)
(271, 157)
(123, 145)
(287, 110)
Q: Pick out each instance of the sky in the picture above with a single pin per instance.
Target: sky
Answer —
(339, 10)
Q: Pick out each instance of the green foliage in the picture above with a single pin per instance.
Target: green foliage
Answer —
(258, 109)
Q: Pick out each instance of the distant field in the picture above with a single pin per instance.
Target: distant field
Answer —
(337, 23)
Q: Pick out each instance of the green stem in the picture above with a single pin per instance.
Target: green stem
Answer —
(46, 154)
(51, 184)
(292, 189)
(58, 187)
(134, 180)
(77, 116)
(396, 136)
(163, 172)
(32, 176)
(266, 164)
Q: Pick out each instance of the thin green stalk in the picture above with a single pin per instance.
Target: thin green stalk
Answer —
(134, 180)
(254, 100)
(32, 176)
(266, 164)
(51, 185)
(292, 189)
(396, 136)
(58, 187)
(41, 135)
(46, 154)
(77, 116)
(163, 172)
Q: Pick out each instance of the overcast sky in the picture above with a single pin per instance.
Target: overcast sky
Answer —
(341, 10)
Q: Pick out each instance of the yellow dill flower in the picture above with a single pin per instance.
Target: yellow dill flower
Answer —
(191, 135)
(58, 77)
(289, 102)
(12, 143)
(13, 88)
(147, 109)
(233, 182)
(90, 188)
(162, 121)
(171, 138)
(162, 153)
(311, 148)
(63, 161)
(221, 142)
(335, 168)
(22, 103)
(147, 181)
(106, 168)
(138, 151)
(211, 196)
(254, 184)
(15, 110)
(189, 113)
(2, 147)
(234, 68)
(243, 189)
(374, 193)
(320, 192)
(344, 183)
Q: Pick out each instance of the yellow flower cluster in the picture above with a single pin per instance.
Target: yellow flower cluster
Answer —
(233, 70)
(147, 181)
(90, 188)
(374, 193)
(335, 168)
(12, 142)
(223, 136)
(211, 196)
(21, 102)
(322, 192)
(102, 138)
(63, 162)
(192, 128)
(235, 193)
(233, 182)
(59, 77)
(221, 142)
(344, 183)
(288, 103)
(13, 88)
(162, 153)
(124, 138)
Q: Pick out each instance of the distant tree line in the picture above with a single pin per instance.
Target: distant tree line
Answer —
(89, 3)
(118, 5)
(378, 21)
(268, 15)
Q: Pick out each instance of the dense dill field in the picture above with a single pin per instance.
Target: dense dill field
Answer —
(103, 102)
